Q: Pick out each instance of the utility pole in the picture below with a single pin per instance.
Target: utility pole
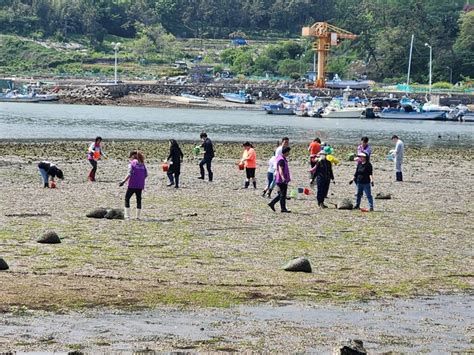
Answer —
(116, 49)
(431, 63)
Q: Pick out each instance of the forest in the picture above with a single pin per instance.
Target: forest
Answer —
(384, 29)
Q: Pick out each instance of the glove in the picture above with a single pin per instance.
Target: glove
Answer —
(122, 183)
(372, 183)
(350, 182)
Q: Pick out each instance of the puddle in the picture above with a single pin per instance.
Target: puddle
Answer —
(437, 324)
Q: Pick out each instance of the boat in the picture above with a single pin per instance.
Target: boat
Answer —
(345, 107)
(279, 109)
(310, 108)
(338, 83)
(402, 114)
(191, 99)
(461, 113)
(14, 96)
(240, 98)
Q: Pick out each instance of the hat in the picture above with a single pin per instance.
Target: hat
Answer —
(328, 150)
(362, 155)
(323, 152)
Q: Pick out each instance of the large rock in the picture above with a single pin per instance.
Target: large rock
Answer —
(3, 264)
(301, 264)
(345, 204)
(50, 237)
(97, 213)
(350, 347)
(114, 213)
(383, 196)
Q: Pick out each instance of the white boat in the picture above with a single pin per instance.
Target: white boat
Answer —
(192, 99)
(342, 112)
(240, 98)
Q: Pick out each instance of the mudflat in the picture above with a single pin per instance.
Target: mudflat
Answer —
(219, 245)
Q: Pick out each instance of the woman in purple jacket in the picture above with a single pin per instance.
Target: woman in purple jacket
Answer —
(282, 179)
(137, 174)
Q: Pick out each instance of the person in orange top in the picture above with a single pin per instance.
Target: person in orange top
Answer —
(314, 149)
(249, 159)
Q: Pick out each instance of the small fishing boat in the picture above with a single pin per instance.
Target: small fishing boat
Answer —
(342, 112)
(240, 98)
(191, 99)
(13, 96)
(279, 109)
(338, 83)
(402, 114)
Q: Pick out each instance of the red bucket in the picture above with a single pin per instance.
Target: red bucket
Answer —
(165, 167)
(52, 184)
(306, 191)
(241, 166)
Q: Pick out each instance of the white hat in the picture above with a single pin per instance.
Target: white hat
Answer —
(361, 154)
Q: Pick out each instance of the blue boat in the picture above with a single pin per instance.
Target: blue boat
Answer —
(401, 114)
(240, 98)
(279, 109)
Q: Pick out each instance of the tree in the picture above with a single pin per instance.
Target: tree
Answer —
(464, 45)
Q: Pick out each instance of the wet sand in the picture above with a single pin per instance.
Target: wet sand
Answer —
(219, 245)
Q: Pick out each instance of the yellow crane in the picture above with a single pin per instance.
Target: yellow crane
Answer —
(326, 35)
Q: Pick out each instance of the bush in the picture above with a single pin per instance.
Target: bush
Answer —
(442, 85)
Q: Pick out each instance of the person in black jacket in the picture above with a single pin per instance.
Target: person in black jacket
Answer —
(175, 157)
(364, 179)
(323, 173)
(208, 148)
(49, 171)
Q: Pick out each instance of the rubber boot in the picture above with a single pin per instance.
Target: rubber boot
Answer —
(247, 183)
(254, 184)
(399, 176)
(46, 185)
(126, 213)
(139, 213)
(270, 193)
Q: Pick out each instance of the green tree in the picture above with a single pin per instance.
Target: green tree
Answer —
(464, 46)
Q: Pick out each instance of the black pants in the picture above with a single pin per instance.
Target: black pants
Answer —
(207, 162)
(173, 176)
(282, 192)
(129, 194)
(93, 170)
(323, 188)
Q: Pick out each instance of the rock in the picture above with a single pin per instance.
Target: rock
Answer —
(97, 213)
(3, 264)
(350, 347)
(298, 265)
(50, 237)
(114, 213)
(345, 204)
(383, 196)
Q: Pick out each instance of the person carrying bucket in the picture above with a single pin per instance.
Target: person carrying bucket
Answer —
(94, 153)
(208, 148)
(48, 172)
(314, 149)
(282, 179)
(174, 158)
(249, 159)
(270, 177)
(137, 174)
(324, 174)
(364, 179)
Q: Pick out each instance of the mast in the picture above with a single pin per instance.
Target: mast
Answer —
(409, 61)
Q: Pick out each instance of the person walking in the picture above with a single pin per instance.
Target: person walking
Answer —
(137, 174)
(314, 149)
(397, 154)
(249, 159)
(94, 154)
(324, 174)
(208, 148)
(364, 179)
(48, 172)
(285, 142)
(282, 179)
(174, 159)
(270, 177)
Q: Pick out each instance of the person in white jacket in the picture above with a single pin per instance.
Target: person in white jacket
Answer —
(397, 154)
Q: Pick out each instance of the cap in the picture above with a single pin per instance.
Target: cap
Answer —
(362, 155)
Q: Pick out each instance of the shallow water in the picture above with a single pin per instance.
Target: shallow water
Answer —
(46, 121)
(438, 324)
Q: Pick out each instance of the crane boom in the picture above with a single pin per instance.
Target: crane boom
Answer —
(326, 35)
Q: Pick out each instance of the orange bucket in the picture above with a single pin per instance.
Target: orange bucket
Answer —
(96, 155)
(165, 167)
(52, 184)
(241, 166)
(364, 210)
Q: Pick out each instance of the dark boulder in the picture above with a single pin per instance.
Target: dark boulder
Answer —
(114, 213)
(351, 347)
(3, 264)
(97, 213)
(383, 196)
(345, 204)
(50, 237)
(301, 264)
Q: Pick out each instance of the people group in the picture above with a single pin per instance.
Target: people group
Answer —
(278, 172)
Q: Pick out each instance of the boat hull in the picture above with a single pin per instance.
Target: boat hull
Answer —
(424, 116)
(343, 113)
(19, 99)
(238, 99)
